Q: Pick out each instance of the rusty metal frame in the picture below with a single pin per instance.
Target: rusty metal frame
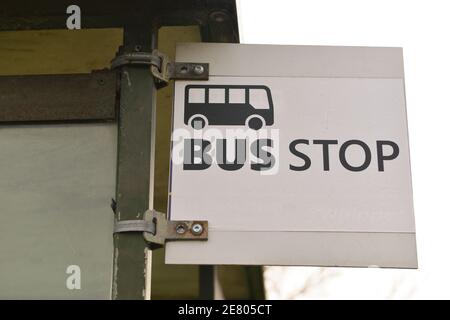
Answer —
(58, 98)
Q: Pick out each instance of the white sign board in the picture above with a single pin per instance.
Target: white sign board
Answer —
(296, 155)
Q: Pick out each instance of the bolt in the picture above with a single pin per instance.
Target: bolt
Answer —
(181, 229)
(218, 16)
(197, 229)
(198, 69)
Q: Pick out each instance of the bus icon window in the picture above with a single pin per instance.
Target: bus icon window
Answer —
(259, 99)
(197, 95)
(242, 105)
(216, 96)
(236, 96)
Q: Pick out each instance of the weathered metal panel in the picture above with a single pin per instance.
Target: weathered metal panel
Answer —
(55, 188)
(71, 97)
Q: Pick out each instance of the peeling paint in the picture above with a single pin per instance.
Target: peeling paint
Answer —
(127, 76)
(116, 269)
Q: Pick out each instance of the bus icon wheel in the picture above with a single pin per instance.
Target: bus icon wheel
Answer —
(198, 122)
(255, 122)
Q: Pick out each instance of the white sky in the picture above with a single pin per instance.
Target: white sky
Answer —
(422, 28)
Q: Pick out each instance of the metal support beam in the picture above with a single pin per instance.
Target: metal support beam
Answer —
(49, 98)
(206, 282)
(255, 279)
(136, 111)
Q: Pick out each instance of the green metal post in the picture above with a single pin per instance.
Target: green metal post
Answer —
(136, 110)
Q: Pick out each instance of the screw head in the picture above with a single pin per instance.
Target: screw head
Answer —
(198, 69)
(197, 229)
(184, 69)
(180, 229)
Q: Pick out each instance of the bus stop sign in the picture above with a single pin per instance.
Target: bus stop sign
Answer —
(295, 155)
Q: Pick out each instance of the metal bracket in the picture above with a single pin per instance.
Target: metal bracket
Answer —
(157, 229)
(135, 58)
(162, 68)
(167, 230)
(134, 226)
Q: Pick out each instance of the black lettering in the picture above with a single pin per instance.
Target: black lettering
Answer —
(299, 154)
(382, 157)
(345, 164)
(190, 154)
(240, 154)
(258, 151)
(326, 152)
